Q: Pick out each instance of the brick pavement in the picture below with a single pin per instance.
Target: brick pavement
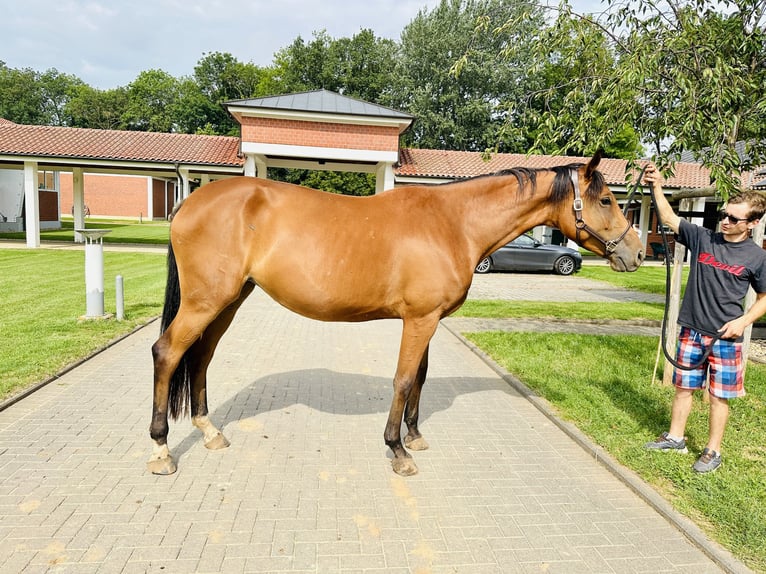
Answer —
(306, 485)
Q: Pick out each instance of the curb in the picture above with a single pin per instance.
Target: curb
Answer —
(693, 533)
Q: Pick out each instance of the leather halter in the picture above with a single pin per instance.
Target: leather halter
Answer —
(609, 244)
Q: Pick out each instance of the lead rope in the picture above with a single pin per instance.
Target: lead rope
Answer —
(664, 236)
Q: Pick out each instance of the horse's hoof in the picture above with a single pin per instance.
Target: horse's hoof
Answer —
(217, 442)
(162, 466)
(415, 443)
(404, 466)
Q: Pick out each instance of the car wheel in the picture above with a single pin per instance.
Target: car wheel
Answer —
(564, 265)
(484, 265)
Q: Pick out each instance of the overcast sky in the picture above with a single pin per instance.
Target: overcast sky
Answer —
(108, 43)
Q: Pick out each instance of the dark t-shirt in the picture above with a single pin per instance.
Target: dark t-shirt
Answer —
(719, 276)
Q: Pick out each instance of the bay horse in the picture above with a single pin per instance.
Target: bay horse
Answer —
(407, 253)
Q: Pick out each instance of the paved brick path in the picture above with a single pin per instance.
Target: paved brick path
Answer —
(306, 485)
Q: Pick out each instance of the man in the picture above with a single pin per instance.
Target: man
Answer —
(722, 266)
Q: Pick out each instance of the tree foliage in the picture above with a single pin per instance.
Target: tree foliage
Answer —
(359, 67)
(30, 97)
(463, 111)
(687, 76)
(89, 107)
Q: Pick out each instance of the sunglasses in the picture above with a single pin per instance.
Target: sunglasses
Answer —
(734, 220)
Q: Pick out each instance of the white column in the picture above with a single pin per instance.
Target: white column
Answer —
(698, 204)
(78, 203)
(185, 187)
(256, 166)
(32, 203)
(384, 177)
(150, 198)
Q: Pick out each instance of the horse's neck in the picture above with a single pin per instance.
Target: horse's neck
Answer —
(496, 209)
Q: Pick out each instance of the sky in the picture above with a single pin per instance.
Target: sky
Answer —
(108, 43)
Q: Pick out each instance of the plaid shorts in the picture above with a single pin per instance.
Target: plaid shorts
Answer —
(724, 362)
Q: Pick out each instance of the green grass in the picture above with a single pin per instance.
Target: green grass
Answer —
(123, 231)
(498, 308)
(649, 279)
(602, 384)
(43, 296)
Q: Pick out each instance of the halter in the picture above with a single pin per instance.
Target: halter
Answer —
(609, 244)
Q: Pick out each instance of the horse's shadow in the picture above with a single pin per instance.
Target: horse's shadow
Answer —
(336, 393)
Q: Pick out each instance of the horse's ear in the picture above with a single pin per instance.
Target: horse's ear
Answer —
(593, 163)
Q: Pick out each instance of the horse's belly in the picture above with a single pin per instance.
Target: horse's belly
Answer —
(329, 304)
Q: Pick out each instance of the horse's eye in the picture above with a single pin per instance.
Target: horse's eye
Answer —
(606, 201)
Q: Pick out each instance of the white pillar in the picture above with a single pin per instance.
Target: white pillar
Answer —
(698, 204)
(78, 203)
(94, 272)
(32, 203)
(185, 187)
(384, 177)
(256, 166)
(150, 198)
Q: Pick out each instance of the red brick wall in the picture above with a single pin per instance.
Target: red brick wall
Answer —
(115, 195)
(320, 134)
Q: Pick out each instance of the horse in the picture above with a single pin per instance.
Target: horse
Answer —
(407, 253)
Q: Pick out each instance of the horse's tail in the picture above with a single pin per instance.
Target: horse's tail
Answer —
(180, 383)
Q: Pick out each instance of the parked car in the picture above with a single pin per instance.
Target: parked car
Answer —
(527, 254)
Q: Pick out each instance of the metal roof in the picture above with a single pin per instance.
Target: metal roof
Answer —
(320, 101)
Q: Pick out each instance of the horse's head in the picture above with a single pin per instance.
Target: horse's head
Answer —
(595, 220)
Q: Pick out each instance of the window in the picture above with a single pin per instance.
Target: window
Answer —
(47, 180)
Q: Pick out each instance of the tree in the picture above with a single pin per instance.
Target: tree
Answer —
(463, 111)
(346, 183)
(688, 76)
(358, 67)
(28, 97)
(152, 98)
(89, 107)
(220, 77)
(556, 88)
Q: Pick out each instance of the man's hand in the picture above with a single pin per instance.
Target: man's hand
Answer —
(734, 328)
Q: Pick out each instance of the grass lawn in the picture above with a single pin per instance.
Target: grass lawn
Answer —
(123, 231)
(43, 296)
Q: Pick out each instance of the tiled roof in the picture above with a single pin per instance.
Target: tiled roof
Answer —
(81, 143)
(443, 164)
(321, 101)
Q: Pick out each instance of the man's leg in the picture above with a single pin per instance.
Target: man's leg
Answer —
(719, 415)
(679, 412)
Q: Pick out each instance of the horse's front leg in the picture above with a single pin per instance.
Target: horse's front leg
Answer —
(416, 335)
(414, 440)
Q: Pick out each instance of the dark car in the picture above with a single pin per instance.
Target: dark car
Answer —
(527, 254)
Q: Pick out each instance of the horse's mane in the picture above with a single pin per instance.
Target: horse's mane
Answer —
(560, 189)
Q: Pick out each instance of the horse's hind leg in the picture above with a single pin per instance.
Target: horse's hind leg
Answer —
(168, 351)
(175, 344)
(414, 440)
(203, 351)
